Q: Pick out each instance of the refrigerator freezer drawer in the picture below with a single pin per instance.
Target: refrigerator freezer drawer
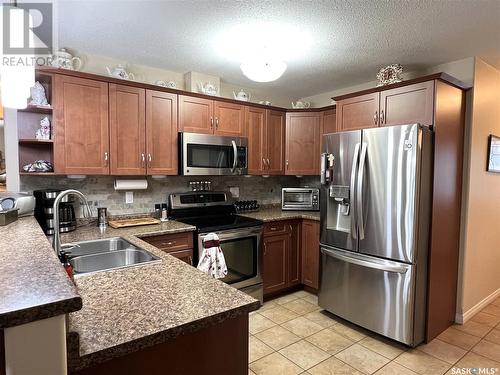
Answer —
(374, 293)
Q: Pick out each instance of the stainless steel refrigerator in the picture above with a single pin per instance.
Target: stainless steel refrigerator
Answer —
(375, 222)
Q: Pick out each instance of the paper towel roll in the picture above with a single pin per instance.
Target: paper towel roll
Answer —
(131, 184)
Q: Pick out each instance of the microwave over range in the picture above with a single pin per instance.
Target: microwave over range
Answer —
(203, 154)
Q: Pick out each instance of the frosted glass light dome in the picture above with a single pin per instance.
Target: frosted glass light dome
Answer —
(263, 70)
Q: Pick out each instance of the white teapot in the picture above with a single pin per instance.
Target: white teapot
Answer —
(242, 95)
(64, 59)
(120, 72)
(207, 88)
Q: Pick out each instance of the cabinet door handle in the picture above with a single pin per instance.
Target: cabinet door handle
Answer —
(150, 159)
(169, 243)
(268, 164)
(265, 248)
(286, 163)
(106, 159)
(382, 117)
(190, 258)
(263, 163)
(211, 122)
(273, 228)
(216, 123)
(143, 158)
(375, 118)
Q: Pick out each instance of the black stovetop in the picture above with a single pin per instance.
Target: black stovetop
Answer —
(215, 223)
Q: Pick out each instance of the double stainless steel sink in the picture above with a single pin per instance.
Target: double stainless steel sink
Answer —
(106, 254)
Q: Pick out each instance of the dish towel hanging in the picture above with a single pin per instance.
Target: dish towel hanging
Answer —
(212, 258)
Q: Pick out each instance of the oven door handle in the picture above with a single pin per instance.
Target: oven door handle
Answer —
(235, 161)
(231, 234)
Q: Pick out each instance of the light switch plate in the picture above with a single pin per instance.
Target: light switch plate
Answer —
(129, 197)
(235, 191)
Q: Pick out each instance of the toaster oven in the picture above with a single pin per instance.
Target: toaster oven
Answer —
(301, 199)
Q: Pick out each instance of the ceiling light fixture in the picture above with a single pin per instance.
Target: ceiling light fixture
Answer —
(263, 70)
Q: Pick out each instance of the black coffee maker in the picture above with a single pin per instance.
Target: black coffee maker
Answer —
(44, 211)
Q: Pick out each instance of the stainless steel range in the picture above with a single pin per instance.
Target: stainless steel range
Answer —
(240, 237)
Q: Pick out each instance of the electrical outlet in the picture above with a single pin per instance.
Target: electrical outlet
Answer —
(129, 197)
(235, 191)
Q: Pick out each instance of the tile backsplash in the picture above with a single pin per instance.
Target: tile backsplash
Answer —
(100, 189)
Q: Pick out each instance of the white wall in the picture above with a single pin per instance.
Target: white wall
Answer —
(461, 69)
(97, 64)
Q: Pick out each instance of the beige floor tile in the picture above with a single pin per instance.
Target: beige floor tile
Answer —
(330, 341)
(461, 339)
(382, 346)
(321, 317)
(473, 328)
(311, 298)
(275, 364)
(442, 350)
(392, 368)
(302, 327)
(350, 331)
(473, 360)
(279, 314)
(277, 337)
(301, 294)
(362, 358)
(488, 319)
(284, 299)
(333, 366)
(492, 309)
(267, 306)
(493, 336)
(250, 372)
(300, 306)
(304, 354)
(488, 349)
(259, 323)
(496, 302)
(422, 363)
(257, 349)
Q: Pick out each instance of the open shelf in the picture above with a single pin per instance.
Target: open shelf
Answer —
(35, 141)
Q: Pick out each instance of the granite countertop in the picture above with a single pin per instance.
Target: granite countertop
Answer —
(152, 303)
(275, 213)
(33, 283)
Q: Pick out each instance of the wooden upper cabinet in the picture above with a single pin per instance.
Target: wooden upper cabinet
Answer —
(360, 112)
(161, 133)
(302, 151)
(275, 262)
(229, 119)
(81, 139)
(408, 104)
(255, 127)
(310, 253)
(196, 115)
(127, 120)
(329, 124)
(274, 140)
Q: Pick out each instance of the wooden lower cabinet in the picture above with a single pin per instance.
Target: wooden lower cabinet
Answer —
(282, 254)
(185, 255)
(179, 245)
(310, 253)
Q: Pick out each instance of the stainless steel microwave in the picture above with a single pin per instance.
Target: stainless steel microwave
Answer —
(302, 199)
(204, 154)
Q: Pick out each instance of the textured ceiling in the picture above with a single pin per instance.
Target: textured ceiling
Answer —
(351, 39)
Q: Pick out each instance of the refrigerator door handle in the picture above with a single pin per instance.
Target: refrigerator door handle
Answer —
(359, 191)
(352, 189)
(365, 263)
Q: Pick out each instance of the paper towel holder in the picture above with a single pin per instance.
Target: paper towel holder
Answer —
(131, 184)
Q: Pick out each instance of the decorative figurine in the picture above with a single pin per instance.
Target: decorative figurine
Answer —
(207, 88)
(44, 131)
(38, 95)
(390, 74)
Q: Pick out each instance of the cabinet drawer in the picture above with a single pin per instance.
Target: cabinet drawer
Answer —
(277, 227)
(171, 242)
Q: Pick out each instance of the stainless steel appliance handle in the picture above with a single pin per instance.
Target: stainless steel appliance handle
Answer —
(364, 263)
(235, 161)
(322, 168)
(359, 191)
(352, 188)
